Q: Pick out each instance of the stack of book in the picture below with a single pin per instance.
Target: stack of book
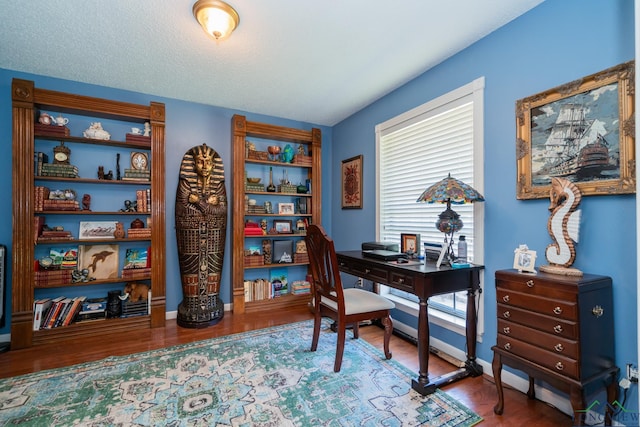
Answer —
(46, 278)
(138, 308)
(57, 312)
(301, 258)
(92, 309)
(39, 158)
(253, 186)
(132, 137)
(143, 200)
(287, 188)
(41, 194)
(302, 160)
(55, 235)
(136, 175)
(60, 205)
(50, 130)
(61, 171)
(300, 287)
(253, 260)
(252, 229)
(136, 273)
(139, 233)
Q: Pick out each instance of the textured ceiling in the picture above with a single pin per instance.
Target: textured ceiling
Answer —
(313, 61)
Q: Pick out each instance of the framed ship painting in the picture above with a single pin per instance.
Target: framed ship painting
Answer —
(582, 131)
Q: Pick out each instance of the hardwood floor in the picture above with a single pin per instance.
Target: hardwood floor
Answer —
(479, 394)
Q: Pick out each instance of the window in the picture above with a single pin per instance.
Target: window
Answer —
(417, 149)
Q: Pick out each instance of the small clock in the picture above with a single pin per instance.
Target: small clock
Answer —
(61, 154)
(139, 161)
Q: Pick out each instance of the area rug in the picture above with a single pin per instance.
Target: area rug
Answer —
(266, 377)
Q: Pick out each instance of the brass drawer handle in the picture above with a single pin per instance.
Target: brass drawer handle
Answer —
(597, 311)
(557, 310)
(507, 346)
(557, 329)
(559, 348)
(506, 298)
(530, 283)
(367, 271)
(506, 314)
(400, 280)
(559, 366)
(506, 330)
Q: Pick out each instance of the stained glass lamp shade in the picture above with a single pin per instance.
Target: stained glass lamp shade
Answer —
(450, 190)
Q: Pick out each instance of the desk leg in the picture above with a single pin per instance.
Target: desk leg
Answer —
(422, 385)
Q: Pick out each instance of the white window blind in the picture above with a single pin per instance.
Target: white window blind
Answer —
(418, 149)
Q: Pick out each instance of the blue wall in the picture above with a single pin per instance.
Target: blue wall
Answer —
(187, 124)
(555, 43)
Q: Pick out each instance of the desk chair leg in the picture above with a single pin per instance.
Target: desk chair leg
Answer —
(317, 320)
(340, 350)
(388, 329)
(356, 330)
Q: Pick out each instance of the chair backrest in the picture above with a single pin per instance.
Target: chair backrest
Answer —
(324, 266)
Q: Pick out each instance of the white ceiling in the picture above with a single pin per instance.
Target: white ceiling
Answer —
(312, 61)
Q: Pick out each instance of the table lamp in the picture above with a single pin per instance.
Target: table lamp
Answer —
(450, 190)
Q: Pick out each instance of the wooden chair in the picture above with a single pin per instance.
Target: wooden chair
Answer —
(345, 306)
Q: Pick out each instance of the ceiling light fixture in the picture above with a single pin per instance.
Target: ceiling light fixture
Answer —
(217, 18)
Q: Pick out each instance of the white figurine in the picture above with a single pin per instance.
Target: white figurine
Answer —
(147, 129)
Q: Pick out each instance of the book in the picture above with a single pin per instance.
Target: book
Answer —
(39, 158)
(50, 312)
(279, 284)
(40, 307)
(73, 311)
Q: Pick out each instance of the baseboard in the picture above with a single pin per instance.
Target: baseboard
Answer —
(441, 348)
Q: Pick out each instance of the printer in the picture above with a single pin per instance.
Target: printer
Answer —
(385, 246)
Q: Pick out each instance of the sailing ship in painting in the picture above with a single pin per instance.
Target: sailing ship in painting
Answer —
(575, 145)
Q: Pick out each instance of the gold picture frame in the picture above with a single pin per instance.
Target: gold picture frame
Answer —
(351, 183)
(583, 130)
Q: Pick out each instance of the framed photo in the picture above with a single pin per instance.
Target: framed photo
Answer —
(351, 183)
(582, 131)
(285, 208)
(524, 260)
(282, 251)
(410, 243)
(97, 230)
(282, 226)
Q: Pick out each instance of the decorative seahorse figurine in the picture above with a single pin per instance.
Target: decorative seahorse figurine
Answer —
(563, 226)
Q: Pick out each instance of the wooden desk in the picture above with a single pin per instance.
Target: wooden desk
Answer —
(424, 281)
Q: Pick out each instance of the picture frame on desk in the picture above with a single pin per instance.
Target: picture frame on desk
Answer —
(524, 259)
(410, 243)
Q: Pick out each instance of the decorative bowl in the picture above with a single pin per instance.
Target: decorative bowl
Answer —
(254, 180)
(273, 149)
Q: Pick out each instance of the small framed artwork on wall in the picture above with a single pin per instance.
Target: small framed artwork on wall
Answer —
(352, 183)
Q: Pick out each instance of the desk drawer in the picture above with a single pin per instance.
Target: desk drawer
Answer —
(551, 343)
(558, 327)
(366, 271)
(557, 363)
(402, 281)
(551, 307)
(535, 285)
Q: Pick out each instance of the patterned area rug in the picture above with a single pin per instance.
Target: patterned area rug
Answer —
(266, 377)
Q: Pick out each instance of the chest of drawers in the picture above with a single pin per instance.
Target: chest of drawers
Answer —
(558, 329)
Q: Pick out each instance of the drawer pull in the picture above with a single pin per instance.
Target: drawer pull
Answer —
(506, 330)
(530, 283)
(506, 298)
(559, 366)
(400, 280)
(557, 310)
(367, 271)
(506, 314)
(557, 329)
(559, 348)
(597, 311)
(507, 346)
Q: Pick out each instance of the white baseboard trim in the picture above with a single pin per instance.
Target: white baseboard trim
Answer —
(543, 394)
